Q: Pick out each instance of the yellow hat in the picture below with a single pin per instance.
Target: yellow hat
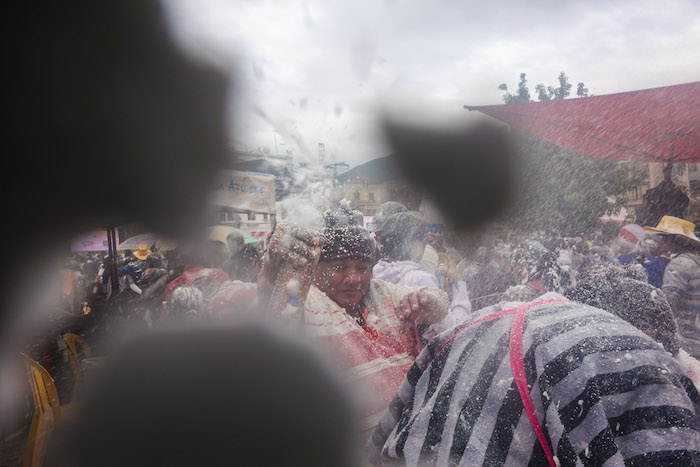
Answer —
(142, 252)
(670, 225)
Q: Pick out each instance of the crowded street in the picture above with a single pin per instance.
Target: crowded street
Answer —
(193, 281)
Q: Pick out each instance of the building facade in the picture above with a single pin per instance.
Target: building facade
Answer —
(686, 176)
(378, 181)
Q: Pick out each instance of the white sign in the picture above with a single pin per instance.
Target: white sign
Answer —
(92, 241)
(249, 191)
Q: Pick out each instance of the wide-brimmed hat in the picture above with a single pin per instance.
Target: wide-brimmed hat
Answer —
(670, 225)
(142, 252)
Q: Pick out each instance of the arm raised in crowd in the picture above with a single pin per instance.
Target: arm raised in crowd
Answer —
(424, 307)
(288, 244)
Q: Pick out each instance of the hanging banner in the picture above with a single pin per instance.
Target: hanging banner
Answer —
(92, 241)
(250, 191)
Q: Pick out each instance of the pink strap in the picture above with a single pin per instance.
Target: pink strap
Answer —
(517, 366)
(510, 311)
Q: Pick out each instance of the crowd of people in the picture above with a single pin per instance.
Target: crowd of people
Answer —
(148, 285)
(490, 349)
(514, 349)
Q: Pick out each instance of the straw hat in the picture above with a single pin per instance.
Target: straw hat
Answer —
(670, 225)
(142, 252)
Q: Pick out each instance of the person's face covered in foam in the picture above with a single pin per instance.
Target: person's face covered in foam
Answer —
(345, 268)
(345, 281)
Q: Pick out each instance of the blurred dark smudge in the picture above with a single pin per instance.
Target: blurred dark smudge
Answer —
(471, 172)
(231, 395)
(106, 122)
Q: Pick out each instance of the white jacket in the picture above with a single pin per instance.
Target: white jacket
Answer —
(411, 274)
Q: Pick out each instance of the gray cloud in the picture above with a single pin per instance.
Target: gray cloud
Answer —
(423, 59)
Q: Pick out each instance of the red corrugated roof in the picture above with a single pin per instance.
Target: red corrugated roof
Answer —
(652, 125)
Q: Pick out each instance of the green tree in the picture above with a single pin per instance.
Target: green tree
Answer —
(544, 93)
(564, 89)
(581, 91)
(523, 91)
(523, 94)
(566, 193)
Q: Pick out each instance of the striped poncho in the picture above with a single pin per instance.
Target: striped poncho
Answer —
(601, 391)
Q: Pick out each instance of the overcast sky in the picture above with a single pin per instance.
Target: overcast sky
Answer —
(322, 71)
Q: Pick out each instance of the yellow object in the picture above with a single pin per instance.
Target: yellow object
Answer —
(670, 225)
(219, 234)
(47, 412)
(142, 252)
(71, 340)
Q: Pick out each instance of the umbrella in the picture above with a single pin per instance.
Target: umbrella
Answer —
(220, 232)
(651, 125)
(147, 239)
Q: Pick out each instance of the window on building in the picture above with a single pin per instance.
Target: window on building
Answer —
(222, 215)
(356, 196)
(371, 196)
(251, 216)
(265, 217)
(678, 171)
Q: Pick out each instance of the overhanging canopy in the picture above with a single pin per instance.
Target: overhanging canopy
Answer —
(652, 125)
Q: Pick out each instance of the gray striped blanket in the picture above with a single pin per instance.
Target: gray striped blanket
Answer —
(602, 392)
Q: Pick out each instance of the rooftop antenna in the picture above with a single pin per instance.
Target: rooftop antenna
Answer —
(335, 166)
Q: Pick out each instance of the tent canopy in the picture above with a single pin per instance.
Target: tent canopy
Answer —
(148, 239)
(652, 125)
(221, 232)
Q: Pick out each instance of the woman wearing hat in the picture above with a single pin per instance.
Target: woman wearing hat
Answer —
(367, 324)
(682, 277)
